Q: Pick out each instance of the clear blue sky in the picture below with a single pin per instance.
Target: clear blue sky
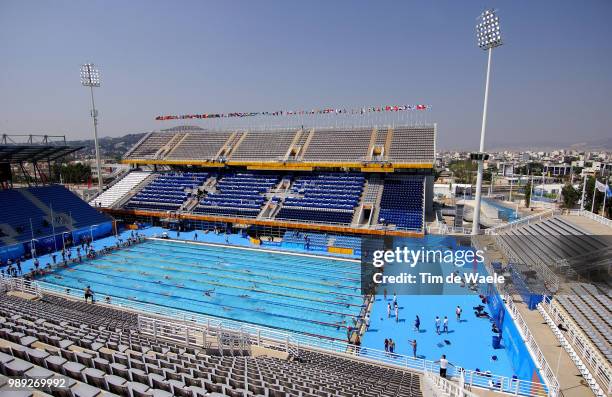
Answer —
(552, 79)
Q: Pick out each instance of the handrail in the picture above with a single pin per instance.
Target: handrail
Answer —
(440, 386)
(193, 333)
(473, 378)
(526, 220)
(20, 284)
(547, 374)
(575, 342)
(595, 217)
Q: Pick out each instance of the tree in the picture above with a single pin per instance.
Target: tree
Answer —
(527, 191)
(570, 196)
(75, 173)
(463, 170)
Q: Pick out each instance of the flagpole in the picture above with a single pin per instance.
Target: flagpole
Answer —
(583, 189)
(594, 193)
(605, 195)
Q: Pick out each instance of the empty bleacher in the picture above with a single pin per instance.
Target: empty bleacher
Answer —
(591, 311)
(62, 200)
(338, 145)
(556, 243)
(412, 144)
(200, 145)
(402, 203)
(58, 337)
(263, 146)
(240, 194)
(323, 198)
(400, 144)
(167, 192)
(152, 143)
(119, 189)
(20, 218)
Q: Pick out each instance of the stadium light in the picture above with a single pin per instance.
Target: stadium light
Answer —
(90, 77)
(488, 35)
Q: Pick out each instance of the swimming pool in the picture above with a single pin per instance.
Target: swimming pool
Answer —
(298, 293)
(507, 214)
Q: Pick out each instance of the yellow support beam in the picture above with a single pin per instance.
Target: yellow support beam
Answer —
(268, 222)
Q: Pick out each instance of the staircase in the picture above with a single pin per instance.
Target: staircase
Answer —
(167, 148)
(270, 209)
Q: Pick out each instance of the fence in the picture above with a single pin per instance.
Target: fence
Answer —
(579, 348)
(597, 218)
(296, 341)
(519, 222)
(436, 386)
(545, 371)
(193, 333)
(19, 284)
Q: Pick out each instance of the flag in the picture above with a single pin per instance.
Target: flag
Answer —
(608, 191)
(600, 186)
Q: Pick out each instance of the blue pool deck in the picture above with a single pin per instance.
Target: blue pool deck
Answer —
(469, 340)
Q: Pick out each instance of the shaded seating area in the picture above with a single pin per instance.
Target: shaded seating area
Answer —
(328, 198)
(36, 212)
(62, 200)
(167, 192)
(239, 194)
(402, 203)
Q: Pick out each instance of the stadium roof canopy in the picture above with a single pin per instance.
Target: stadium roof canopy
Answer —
(36, 148)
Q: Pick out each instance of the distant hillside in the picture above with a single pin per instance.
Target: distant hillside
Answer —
(109, 147)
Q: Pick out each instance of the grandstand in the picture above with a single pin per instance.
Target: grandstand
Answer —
(397, 147)
(564, 262)
(102, 349)
(267, 179)
(41, 217)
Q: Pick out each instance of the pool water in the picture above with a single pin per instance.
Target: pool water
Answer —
(298, 293)
(505, 213)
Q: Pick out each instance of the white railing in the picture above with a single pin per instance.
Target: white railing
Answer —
(437, 386)
(473, 379)
(545, 371)
(579, 348)
(519, 222)
(597, 218)
(201, 335)
(20, 284)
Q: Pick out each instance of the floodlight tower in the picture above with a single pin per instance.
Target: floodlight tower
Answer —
(489, 37)
(90, 77)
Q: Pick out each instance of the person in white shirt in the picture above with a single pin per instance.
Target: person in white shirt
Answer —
(458, 313)
(443, 365)
(438, 325)
(445, 325)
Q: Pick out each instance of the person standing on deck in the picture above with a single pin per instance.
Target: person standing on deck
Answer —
(88, 294)
(438, 325)
(413, 343)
